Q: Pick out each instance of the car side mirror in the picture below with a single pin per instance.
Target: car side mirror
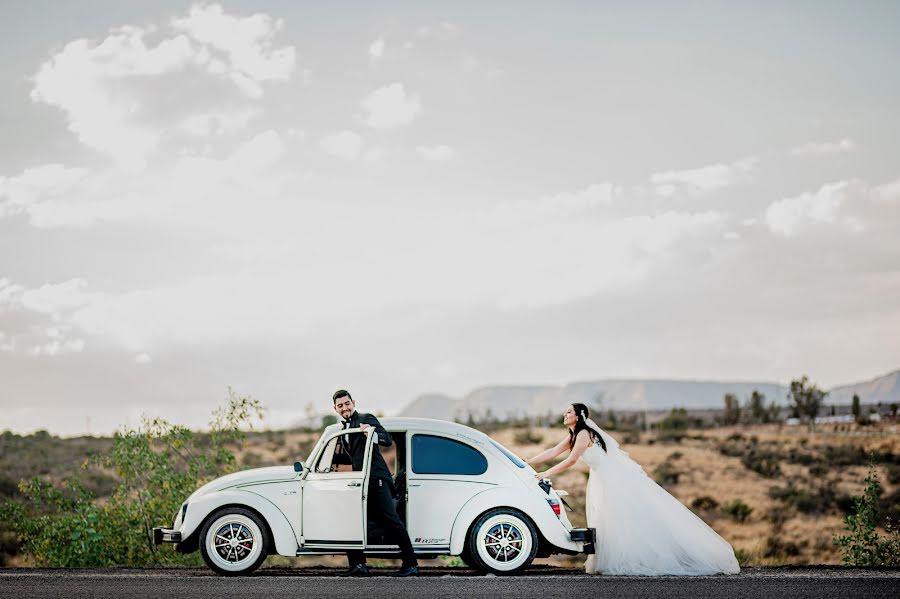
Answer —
(298, 467)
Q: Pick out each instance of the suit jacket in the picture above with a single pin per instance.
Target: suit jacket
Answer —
(354, 452)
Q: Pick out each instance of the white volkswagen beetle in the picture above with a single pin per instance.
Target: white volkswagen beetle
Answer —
(458, 491)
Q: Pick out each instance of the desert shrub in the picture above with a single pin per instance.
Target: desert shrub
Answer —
(776, 547)
(818, 470)
(666, 474)
(737, 510)
(8, 488)
(807, 501)
(743, 557)
(863, 545)
(527, 437)
(674, 426)
(704, 502)
(157, 465)
(893, 473)
(845, 455)
(675, 455)
(764, 463)
(777, 516)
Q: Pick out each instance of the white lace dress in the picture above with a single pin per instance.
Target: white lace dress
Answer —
(641, 529)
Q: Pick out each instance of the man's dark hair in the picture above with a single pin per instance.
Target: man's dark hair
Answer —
(339, 394)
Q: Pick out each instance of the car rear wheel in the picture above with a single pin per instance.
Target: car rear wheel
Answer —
(234, 541)
(502, 541)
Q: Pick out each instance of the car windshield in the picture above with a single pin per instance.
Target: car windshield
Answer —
(512, 457)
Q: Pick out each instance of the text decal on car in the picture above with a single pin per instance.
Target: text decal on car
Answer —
(429, 541)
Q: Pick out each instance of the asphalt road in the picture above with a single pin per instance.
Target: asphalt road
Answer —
(453, 583)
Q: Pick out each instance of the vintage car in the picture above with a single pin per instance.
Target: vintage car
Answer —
(459, 492)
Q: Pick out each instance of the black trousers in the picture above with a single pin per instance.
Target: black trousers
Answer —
(380, 509)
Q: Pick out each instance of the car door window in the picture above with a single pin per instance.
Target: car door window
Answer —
(439, 455)
(334, 457)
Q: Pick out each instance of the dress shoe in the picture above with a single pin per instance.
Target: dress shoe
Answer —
(406, 571)
(357, 570)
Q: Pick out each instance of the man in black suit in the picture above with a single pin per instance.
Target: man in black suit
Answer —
(380, 502)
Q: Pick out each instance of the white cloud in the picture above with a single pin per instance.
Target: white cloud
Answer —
(788, 216)
(390, 106)
(827, 147)
(373, 154)
(48, 182)
(376, 50)
(703, 179)
(346, 144)
(437, 153)
(569, 203)
(102, 87)
(246, 41)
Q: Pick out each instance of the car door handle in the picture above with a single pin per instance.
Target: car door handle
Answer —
(354, 484)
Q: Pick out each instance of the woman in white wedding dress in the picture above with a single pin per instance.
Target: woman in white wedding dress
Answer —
(641, 529)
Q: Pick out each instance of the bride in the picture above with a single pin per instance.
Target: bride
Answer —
(641, 529)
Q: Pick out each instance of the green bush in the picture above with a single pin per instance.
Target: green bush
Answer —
(527, 437)
(776, 547)
(157, 465)
(666, 474)
(764, 463)
(863, 545)
(704, 503)
(737, 510)
(808, 501)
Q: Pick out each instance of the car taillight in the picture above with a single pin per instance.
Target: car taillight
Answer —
(554, 505)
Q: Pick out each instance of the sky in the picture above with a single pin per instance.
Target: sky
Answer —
(287, 198)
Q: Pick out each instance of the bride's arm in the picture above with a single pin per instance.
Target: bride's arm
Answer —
(582, 442)
(549, 454)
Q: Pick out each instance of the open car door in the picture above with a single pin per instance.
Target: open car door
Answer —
(334, 501)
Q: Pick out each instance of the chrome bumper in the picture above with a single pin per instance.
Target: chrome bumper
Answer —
(166, 535)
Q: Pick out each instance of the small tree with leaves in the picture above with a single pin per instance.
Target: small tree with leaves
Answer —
(158, 464)
(863, 545)
(807, 398)
(856, 408)
(732, 413)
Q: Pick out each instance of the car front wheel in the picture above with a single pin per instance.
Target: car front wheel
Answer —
(234, 542)
(502, 541)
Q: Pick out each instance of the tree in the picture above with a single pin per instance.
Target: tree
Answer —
(863, 545)
(857, 408)
(158, 465)
(807, 398)
(757, 407)
(732, 413)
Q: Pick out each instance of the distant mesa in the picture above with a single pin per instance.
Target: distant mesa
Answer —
(516, 402)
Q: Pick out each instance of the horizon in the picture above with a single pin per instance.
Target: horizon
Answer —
(288, 199)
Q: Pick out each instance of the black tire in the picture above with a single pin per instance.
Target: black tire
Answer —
(250, 529)
(467, 559)
(521, 540)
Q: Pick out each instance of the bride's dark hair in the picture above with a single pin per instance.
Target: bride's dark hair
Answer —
(581, 414)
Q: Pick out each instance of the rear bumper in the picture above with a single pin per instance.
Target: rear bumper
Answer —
(166, 535)
(588, 536)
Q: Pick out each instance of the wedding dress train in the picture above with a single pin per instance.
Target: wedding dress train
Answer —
(642, 529)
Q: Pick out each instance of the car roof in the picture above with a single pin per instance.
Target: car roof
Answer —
(428, 425)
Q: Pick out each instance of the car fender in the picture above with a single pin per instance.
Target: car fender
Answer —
(532, 505)
(283, 535)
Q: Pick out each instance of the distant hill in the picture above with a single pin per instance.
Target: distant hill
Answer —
(884, 389)
(507, 402)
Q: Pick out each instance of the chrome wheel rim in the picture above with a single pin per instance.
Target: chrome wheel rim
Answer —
(234, 542)
(504, 542)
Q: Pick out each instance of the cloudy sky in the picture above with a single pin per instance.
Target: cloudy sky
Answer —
(400, 198)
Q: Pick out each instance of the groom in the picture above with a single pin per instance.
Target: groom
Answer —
(352, 450)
